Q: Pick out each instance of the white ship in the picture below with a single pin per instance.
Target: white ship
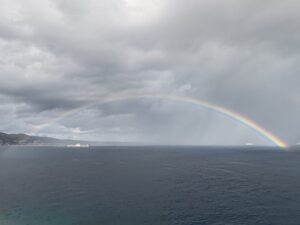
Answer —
(78, 146)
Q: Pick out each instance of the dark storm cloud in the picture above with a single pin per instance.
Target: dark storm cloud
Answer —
(59, 55)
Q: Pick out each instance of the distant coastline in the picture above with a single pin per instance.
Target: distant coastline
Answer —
(24, 139)
(28, 140)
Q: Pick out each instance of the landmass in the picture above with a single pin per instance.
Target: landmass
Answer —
(24, 139)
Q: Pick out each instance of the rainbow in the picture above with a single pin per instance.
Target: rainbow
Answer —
(258, 129)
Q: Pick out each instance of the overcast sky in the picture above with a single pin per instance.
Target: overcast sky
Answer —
(61, 55)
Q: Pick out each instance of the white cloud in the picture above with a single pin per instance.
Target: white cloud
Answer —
(57, 55)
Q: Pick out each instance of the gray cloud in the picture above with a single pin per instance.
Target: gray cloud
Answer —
(58, 55)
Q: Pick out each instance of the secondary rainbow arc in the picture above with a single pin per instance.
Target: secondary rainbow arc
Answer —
(214, 107)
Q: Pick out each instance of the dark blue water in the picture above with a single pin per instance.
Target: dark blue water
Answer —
(149, 185)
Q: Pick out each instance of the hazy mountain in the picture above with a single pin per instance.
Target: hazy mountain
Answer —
(24, 139)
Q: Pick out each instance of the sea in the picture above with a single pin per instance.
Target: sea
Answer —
(151, 185)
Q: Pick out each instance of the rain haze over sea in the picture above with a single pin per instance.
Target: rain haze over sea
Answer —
(60, 56)
(194, 104)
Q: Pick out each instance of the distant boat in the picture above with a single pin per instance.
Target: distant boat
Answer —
(249, 144)
(78, 146)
